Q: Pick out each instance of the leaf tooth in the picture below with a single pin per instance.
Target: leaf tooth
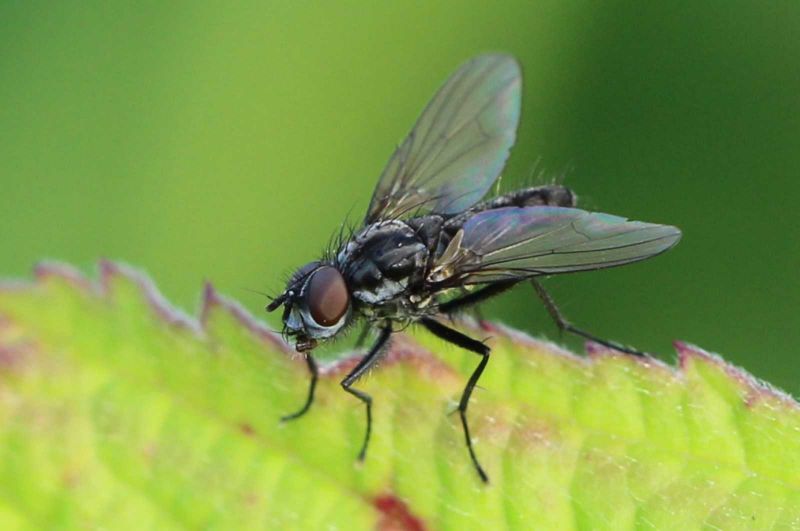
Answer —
(755, 388)
(213, 300)
(112, 271)
(49, 269)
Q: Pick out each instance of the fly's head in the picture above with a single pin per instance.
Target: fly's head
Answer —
(316, 305)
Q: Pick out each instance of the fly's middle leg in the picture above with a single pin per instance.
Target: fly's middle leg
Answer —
(457, 338)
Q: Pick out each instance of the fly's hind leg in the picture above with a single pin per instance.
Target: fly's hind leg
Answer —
(472, 299)
(565, 326)
(457, 338)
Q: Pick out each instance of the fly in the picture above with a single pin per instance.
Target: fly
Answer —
(429, 233)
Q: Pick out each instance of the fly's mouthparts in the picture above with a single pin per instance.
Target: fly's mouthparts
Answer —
(305, 344)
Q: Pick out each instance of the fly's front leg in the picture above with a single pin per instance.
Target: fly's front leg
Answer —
(457, 338)
(565, 326)
(312, 368)
(364, 365)
(362, 337)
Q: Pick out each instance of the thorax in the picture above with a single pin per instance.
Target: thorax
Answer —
(384, 265)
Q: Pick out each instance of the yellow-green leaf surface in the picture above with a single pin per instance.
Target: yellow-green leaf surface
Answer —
(119, 412)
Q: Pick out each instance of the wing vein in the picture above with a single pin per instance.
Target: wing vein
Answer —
(424, 155)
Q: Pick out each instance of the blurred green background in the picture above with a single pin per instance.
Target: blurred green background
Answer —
(227, 140)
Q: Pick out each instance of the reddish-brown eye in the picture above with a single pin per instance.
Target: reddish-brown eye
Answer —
(327, 296)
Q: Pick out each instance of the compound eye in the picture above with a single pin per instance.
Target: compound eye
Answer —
(327, 296)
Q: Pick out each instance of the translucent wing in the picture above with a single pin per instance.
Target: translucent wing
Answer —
(516, 243)
(458, 146)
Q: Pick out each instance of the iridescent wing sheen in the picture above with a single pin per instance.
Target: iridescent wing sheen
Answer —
(458, 146)
(517, 243)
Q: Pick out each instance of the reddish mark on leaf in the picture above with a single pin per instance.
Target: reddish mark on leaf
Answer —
(395, 515)
(70, 478)
(251, 499)
(247, 429)
(12, 356)
(8, 357)
(149, 452)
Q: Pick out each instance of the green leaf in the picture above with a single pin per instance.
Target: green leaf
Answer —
(118, 411)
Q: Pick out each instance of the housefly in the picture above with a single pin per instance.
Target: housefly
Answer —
(431, 245)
